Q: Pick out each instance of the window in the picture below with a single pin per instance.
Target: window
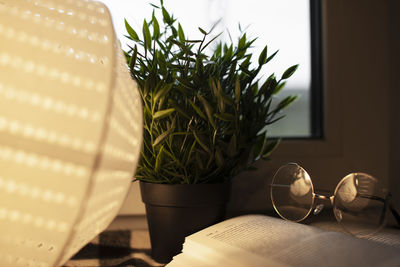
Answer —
(283, 25)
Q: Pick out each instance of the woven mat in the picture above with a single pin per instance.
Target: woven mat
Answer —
(116, 248)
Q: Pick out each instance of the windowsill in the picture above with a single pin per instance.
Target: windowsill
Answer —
(128, 222)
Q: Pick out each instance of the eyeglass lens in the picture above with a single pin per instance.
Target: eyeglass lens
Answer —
(292, 192)
(359, 204)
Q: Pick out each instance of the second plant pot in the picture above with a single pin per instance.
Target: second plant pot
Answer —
(176, 211)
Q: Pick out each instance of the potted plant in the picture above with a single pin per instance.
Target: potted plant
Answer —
(204, 121)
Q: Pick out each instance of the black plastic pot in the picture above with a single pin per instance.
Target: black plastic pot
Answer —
(176, 211)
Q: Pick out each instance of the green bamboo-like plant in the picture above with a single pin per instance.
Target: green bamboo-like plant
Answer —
(205, 116)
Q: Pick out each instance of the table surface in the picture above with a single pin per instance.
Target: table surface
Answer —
(126, 242)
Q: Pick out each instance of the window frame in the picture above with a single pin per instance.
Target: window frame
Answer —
(316, 96)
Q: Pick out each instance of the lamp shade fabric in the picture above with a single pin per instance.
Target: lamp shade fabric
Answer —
(70, 128)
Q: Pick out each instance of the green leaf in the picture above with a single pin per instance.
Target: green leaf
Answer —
(201, 143)
(146, 87)
(159, 159)
(269, 148)
(222, 97)
(144, 158)
(242, 41)
(188, 156)
(155, 6)
(268, 87)
(289, 72)
(166, 17)
(271, 56)
(225, 116)
(179, 109)
(161, 62)
(263, 56)
(163, 113)
(174, 31)
(202, 31)
(208, 109)
(285, 102)
(156, 28)
(243, 68)
(227, 99)
(162, 137)
(246, 63)
(182, 46)
(184, 82)
(176, 161)
(221, 103)
(146, 35)
(163, 91)
(180, 133)
(273, 120)
(197, 110)
(233, 70)
(218, 50)
(259, 145)
(209, 42)
(181, 34)
(219, 159)
(229, 52)
(193, 41)
(131, 32)
(214, 136)
(278, 88)
(199, 65)
(213, 87)
(237, 91)
(133, 58)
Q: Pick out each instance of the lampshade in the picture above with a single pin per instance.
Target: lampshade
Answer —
(70, 128)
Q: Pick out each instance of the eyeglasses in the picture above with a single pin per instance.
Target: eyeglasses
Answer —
(360, 205)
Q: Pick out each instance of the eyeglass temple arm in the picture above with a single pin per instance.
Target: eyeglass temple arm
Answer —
(396, 215)
(388, 198)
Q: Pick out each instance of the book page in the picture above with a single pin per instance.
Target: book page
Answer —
(253, 240)
(185, 260)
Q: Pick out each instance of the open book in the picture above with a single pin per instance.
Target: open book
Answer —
(258, 240)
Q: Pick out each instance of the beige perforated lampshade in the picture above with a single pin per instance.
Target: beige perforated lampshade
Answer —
(70, 128)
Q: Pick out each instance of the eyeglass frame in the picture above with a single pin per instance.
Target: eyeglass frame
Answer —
(388, 204)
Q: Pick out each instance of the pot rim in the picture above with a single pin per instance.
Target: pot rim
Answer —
(185, 195)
